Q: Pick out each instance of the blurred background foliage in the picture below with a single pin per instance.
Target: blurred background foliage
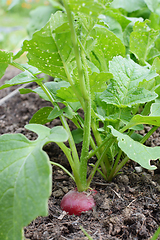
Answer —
(19, 19)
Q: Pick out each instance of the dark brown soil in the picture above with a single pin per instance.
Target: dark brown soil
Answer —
(127, 208)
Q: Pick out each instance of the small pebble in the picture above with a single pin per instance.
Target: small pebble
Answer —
(65, 183)
(138, 169)
(123, 179)
(45, 235)
(58, 193)
(65, 189)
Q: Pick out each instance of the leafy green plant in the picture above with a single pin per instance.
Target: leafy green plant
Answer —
(84, 48)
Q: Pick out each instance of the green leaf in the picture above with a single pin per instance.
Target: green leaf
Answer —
(154, 21)
(142, 41)
(154, 52)
(31, 69)
(137, 151)
(98, 81)
(155, 109)
(148, 85)
(75, 106)
(88, 7)
(41, 116)
(129, 5)
(124, 91)
(97, 84)
(156, 65)
(50, 49)
(57, 4)
(107, 112)
(24, 77)
(59, 24)
(115, 21)
(126, 34)
(126, 99)
(129, 29)
(55, 113)
(25, 90)
(5, 59)
(67, 94)
(139, 119)
(152, 4)
(56, 134)
(26, 178)
(146, 109)
(152, 119)
(107, 46)
(77, 135)
(38, 18)
(68, 112)
(51, 86)
(113, 14)
(136, 137)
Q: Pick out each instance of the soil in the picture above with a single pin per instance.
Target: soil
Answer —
(126, 208)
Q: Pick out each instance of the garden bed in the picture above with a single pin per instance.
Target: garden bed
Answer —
(127, 208)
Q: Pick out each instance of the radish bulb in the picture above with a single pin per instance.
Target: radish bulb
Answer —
(75, 202)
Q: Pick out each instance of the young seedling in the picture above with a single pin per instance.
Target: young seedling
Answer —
(91, 72)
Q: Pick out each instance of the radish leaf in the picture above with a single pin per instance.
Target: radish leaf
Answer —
(152, 119)
(97, 84)
(24, 77)
(136, 151)
(25, 176)
(142, 41)
(129, 5)
(41, 116)
(77, 135)
(124, 91)
(51, 86)
(152, 4)
(5, 59)
(45, 49)
(88, 7)
(155, 109)
(104, 49)
(139, 119)
(55, 113)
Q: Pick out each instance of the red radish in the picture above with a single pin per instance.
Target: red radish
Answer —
(75, 202)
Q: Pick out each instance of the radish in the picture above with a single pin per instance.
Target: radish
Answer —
(75, 202)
